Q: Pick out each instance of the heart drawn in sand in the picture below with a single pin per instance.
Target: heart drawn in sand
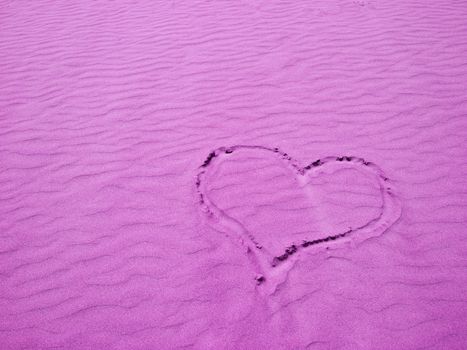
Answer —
(276, 208)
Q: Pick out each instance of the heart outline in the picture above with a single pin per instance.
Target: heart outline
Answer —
(270, 270)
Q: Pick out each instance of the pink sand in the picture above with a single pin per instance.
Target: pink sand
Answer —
(115, 236)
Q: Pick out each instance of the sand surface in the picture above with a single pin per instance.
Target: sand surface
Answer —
(233, 175)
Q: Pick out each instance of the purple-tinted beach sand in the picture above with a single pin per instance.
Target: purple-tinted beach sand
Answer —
(233, 175)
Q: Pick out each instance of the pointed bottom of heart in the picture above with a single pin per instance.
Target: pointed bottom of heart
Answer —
(262, 198)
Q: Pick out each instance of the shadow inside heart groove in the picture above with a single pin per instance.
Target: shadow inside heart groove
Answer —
(277, 208)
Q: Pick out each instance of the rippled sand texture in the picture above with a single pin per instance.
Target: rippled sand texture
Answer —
(125, 224)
